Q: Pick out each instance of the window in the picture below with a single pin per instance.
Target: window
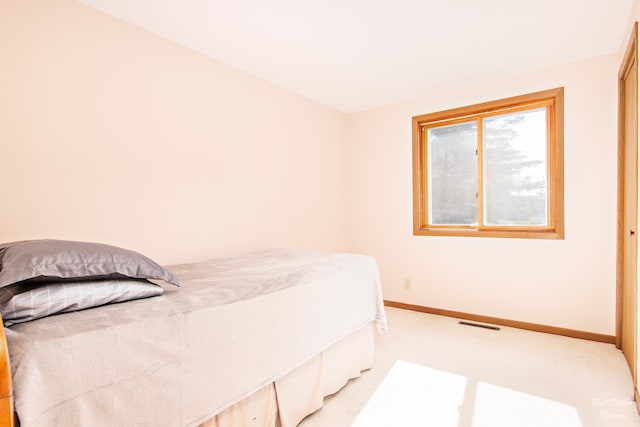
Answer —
(492, 169)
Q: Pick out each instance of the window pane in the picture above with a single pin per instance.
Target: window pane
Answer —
(515, 168)
(453, 174)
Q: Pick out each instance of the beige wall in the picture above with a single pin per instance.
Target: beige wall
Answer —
(109, 133)
(565, 283)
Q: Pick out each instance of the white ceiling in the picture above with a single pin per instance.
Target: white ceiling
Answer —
(355, 55)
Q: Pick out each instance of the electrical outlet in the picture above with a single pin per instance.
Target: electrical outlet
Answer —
(407, 284)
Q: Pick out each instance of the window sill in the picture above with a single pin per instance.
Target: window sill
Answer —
(552, 234)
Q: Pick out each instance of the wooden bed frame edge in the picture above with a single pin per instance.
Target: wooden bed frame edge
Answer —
(6, 387)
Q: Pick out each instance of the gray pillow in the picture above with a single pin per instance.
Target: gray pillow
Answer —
(23, 302)
(54, 260)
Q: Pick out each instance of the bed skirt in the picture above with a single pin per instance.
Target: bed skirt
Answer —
(286, 401)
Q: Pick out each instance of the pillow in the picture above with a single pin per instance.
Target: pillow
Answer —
(23, 302)
(54, 260)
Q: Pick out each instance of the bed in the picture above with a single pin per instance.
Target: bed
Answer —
(254, 340)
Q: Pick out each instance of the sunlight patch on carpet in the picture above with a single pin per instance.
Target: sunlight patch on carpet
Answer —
(410, 394)
(497, 406)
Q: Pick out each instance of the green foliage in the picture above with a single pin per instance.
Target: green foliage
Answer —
(514, 194)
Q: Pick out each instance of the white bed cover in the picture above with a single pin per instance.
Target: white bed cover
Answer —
(235, 325)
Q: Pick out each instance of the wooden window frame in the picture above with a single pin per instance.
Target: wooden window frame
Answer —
(553, 99)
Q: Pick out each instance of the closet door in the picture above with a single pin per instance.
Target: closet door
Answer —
(626, 336)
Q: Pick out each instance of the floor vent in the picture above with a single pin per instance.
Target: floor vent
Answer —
(478, 325)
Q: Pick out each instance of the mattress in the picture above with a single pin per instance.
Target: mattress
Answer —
(235, 326)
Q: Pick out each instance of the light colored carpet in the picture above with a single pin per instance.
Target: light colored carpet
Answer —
(431, 371)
